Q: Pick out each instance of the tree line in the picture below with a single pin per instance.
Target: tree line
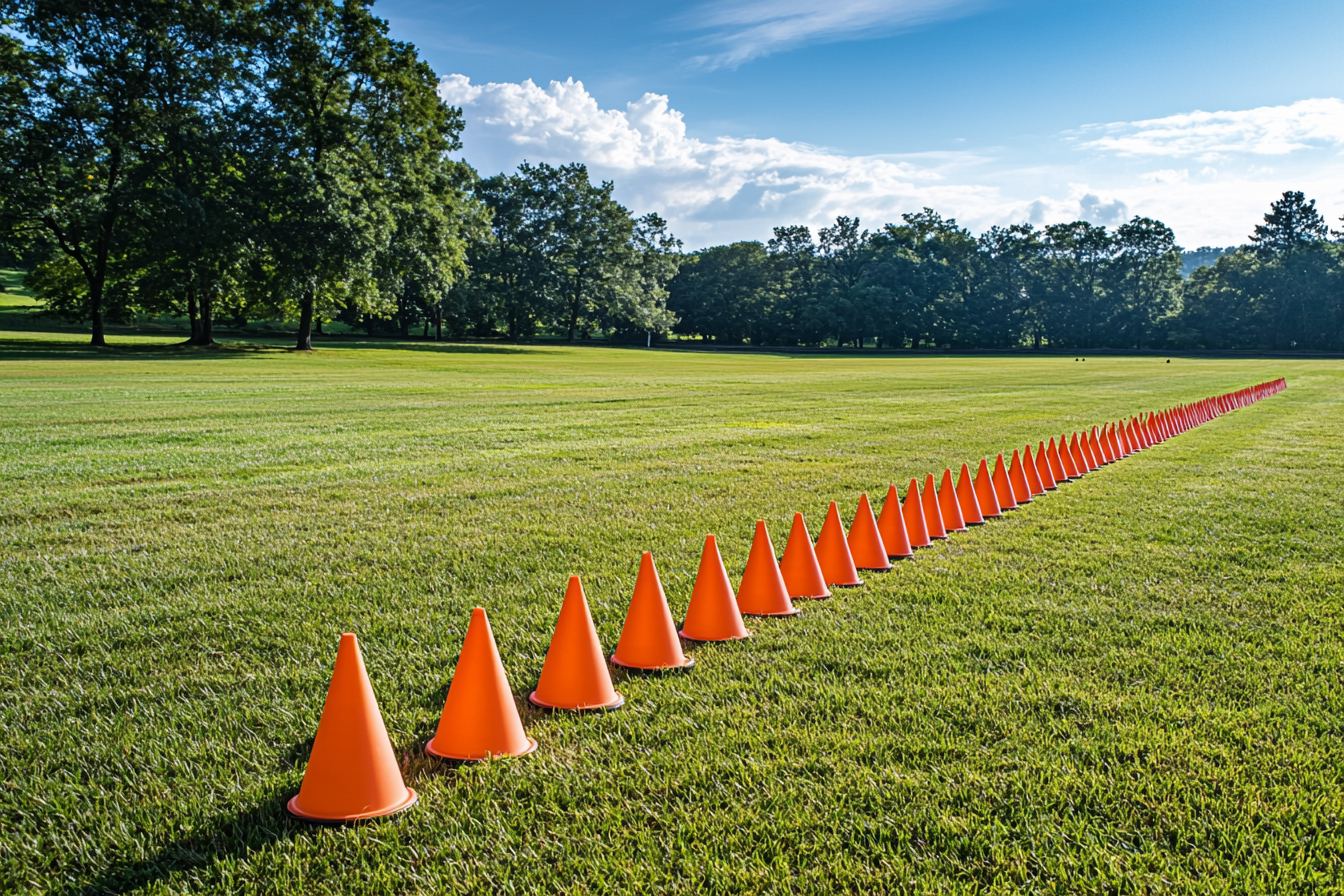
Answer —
(287, 160)
(928, 283)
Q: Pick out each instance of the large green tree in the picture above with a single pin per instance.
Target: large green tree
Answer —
(353, 126)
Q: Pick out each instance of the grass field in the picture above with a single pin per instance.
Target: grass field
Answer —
(1132, 685)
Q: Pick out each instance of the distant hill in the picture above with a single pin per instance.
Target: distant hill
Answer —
(1198, 258)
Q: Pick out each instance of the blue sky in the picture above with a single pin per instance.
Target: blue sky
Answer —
(731, 117)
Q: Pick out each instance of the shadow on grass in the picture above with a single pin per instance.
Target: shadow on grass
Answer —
(238, 835)
(42, 350)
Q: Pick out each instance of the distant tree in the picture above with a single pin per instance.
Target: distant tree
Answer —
(795, 259)
(726, 293)
(1292, 221)
(1076, 258)
(1003, 305)
(1145, 281)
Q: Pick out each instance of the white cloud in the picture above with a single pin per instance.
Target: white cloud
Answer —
(748, 29)
(730, 188)
(727, 187)
(1265, 130)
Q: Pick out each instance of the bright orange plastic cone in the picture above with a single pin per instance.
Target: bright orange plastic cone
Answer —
(1076, 453)
(985, 494)
(480, 719)
(1090, 452)
(1017, 479)
(933, 514)
(763, 591)
(948, 505)
(575, 675)
(837, 564)
(891, 526)
(970, 506)
(915, 525)
(713, 614)
(865, 542)
(1058, 468)
(352, 772)
(1003, 489)
(1034, 480)
(649, 637)
(799, 567)
(1044, 468)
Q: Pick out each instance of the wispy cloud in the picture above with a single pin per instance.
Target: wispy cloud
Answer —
(746, 29)
(1265, 131)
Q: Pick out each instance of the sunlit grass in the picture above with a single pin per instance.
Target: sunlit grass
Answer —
(1131, 685)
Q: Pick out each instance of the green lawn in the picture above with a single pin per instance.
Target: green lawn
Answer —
(1132, 685)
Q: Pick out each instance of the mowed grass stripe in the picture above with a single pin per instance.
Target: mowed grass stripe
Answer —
(1131, 681)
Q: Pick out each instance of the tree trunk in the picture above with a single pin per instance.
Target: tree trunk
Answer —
(207, 336)
(318, 327)
(305, 343)
(99, 339)
(194, 314)
(438, 328)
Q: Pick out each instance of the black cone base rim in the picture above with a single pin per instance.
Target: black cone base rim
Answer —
(714, 640)
(293, 811)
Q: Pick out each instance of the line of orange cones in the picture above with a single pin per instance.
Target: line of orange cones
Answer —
(353, 774)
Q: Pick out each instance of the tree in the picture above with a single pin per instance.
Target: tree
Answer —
(348, 114)
(1292, 221)
(725, 293)
(1145, 280)
(78, 87)
(1076, 256)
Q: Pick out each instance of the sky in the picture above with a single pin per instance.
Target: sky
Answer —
(730, 118)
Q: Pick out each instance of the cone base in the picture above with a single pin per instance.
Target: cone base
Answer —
(596, 707)
(876, 569)
(713, 640)
(954, 531)
(292, 807)
(858, 584)
(690, 661)
(895, 557)
(794, 612)
(826, 596)
(429, 748)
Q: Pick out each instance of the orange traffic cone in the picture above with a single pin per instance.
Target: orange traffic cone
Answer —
(1044, 468)
(352, 772)
(933, 514)
(480, 719)
(649, 637)
(1071, 466)
(970, 506)
(865, 542)
(948, 506)
(763, 592)
(575, 674)
(985, 493)
(1057, 467)
(1079, 458)
(837, 564)
(1017, 480)
(713, 614)
(891, 526)
(799, 567)
(1090, 453)
(913, 511)
(1034, 480)
(1003, 489)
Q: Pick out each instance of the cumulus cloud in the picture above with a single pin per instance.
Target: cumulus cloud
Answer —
(747, 29)
(1263, 131)
(707, 188)
(728, 188)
